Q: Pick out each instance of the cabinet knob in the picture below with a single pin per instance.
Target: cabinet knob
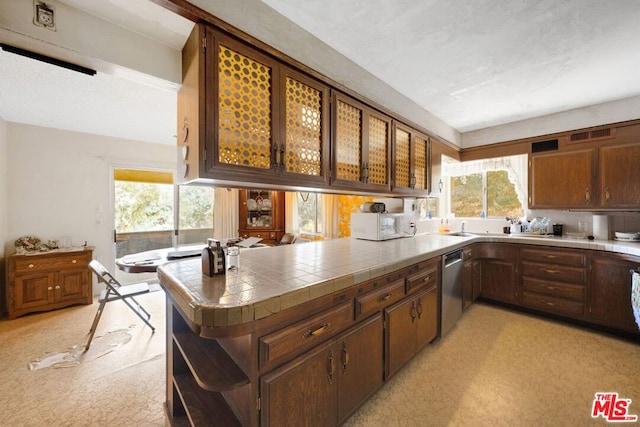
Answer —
(73, 261)
(30, 265)
(50, 288)
(57, 286)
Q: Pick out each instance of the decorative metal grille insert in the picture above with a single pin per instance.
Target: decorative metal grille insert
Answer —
(348, 142)
(420, 166)
(244, 110)
(402, 158)
(303, 129)
(378, 144)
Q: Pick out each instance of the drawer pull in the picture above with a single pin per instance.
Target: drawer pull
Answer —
(551, 288)
(73, 261)
(426, 278)
(550, 271)
(550, 256)
(419, 308)
(549, 303)
(319, 331)
(330, 367)
(50, 288)
(413, 311)
(30, 265)
(345, 357)
(57, 286)
(384, 297)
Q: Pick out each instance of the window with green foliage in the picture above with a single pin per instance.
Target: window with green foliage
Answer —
(145, 206)
(488, 188)
(142, 206)
(310, 213)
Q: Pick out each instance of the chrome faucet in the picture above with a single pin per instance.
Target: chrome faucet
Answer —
(463, 224)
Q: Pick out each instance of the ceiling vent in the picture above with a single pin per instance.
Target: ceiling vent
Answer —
(593, 135)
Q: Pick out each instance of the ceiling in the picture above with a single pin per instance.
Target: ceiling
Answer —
(472, 64)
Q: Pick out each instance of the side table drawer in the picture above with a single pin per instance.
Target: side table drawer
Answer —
(295, 339)
(37, 263)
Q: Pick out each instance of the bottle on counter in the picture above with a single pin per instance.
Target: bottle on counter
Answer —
(446, 229)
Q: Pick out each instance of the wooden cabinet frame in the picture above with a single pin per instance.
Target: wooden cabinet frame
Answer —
(365, 116)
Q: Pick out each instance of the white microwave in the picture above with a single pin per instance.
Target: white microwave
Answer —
(378, 226)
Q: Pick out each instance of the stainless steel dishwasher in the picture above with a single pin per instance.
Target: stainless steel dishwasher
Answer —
(451, 309)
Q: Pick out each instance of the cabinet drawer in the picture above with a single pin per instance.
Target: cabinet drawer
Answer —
(379, 282)
(377, 300)
(554, 256)
(271, 235)
(553, 305)
(554, 289)
(425, 278)
(295, 339)
(563, 273)
(39, 263)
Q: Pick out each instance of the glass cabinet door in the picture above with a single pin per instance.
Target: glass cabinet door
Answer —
(259, 209)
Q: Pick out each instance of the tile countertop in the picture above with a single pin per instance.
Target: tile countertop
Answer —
(273, 279)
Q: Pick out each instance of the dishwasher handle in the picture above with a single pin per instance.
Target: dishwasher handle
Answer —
(452, 258)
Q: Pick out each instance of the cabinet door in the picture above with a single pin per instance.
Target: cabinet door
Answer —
(619, 168)
(242, 115)
(400, 334)
(499, 280)
(427, 321)
(611, 291)
(302, 392)
(467, 283)
(402, 160)
(360, 365)
(72, 285)
(436, 150)
(34, 290)
(362, 150)
(304, 142)
(562, 180)
(411, 161)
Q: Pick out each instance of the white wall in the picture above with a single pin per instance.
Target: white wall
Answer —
(61, 183)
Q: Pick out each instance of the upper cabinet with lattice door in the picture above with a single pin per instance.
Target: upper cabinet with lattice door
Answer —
(245, 117)
(410, 162)
(361, 146)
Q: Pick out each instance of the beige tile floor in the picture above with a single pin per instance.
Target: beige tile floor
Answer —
(496, 368)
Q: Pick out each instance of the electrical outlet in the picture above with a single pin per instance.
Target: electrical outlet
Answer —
(43, 15)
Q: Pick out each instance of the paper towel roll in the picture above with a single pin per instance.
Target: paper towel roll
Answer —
(601, 227)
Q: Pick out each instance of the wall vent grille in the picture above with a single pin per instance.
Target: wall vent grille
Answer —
(593, 135)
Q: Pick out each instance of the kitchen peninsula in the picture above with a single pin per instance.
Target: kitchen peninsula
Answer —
(329, 322)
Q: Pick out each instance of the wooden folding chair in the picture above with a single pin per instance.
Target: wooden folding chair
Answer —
(115, 291)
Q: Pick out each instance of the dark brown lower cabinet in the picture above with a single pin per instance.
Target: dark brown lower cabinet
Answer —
(611, 291)
(499, 271)
(411, 324)
(324, 386)
(470, 276)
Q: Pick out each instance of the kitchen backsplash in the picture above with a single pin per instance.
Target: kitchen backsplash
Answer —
(618, 221)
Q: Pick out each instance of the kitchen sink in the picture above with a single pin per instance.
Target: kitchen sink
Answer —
(462, 234)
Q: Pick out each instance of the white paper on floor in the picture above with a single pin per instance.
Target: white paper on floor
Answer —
(101, 345)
